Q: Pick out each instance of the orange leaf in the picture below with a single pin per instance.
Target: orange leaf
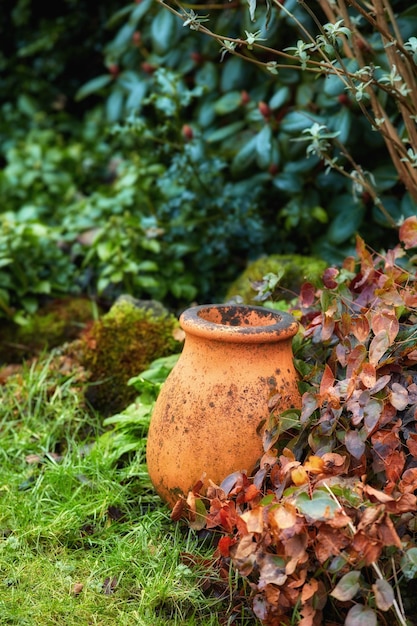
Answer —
(224, 545)
(299, 476)
(314, 465)
(408, 482)
(378, 346)
(368, 375)
(385, 320)
(360, 328)
(408, 232)
(394, 465)
(327, 381)
(254, 519)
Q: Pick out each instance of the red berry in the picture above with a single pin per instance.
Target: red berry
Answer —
(114, 70)
(137, 37)
(197, 57)
(264, 109)
(244, 97)
(273, 169)
(187, 132)
(344, 99)
(148, 68)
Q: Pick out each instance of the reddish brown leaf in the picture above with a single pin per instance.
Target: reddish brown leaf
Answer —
(327, 328)
(308, 591)
(360, 328)
(355, 360)
(178, 510)
(412, 444)
(404, 504)
(329, 542)
(329, 276)
(387, 532)
(307, 295)
(394, 465)
(368, 549)
(408, 232)
(251, 493)
(385, 320)
(378, 346)
(225, 544)
(368, 375)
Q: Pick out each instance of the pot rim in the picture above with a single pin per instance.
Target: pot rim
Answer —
(238, 323)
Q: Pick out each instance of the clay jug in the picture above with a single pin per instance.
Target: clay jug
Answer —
(208, 416)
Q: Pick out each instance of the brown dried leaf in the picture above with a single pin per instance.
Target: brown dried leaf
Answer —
(394, 465)
(408, 232)
(360, 328)
(385, 320)
(254, 519)
(378, 346)
(329, 542)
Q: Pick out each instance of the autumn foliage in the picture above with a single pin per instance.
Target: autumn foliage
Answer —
(324, 532)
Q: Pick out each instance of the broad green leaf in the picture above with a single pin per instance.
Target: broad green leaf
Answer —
(93, 86)
(225, 131)
(163, 31)
(228, 103)
(384, 594)
(360, 615)
(114, 105)
(321, 506)
(245, 157)
(297, 121)
(280, 98)
(409, 563)
(288, 182)
(264, 146)
(347, 587)
(347, 222)
(342, 123)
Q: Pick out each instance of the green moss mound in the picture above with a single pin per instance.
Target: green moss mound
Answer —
(56, 323)
(293, 269)
(122, 344)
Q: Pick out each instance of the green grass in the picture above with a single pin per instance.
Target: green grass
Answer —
(83, 537)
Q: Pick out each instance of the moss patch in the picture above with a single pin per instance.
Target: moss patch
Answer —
(56, 323)
(293, 269)
(119, 346)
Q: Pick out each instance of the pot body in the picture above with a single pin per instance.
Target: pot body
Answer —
(207, 421)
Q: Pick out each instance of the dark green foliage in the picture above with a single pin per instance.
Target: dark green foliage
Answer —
(137, 158)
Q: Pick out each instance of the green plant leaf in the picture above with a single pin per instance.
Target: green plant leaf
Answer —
(225, 132)
(384, 594)
(347, 587)
(228, 103)
(321, 506)
(360, 615)
(409, 563)
(93, 85)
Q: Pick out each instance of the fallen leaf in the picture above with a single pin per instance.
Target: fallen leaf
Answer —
(77, 588)
(408, 232)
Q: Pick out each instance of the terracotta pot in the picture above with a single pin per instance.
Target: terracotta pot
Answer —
(207, 418)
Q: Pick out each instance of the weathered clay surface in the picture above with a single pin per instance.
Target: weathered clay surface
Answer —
(208, 418)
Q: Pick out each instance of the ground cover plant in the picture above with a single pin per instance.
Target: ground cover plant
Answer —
(325, 529)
